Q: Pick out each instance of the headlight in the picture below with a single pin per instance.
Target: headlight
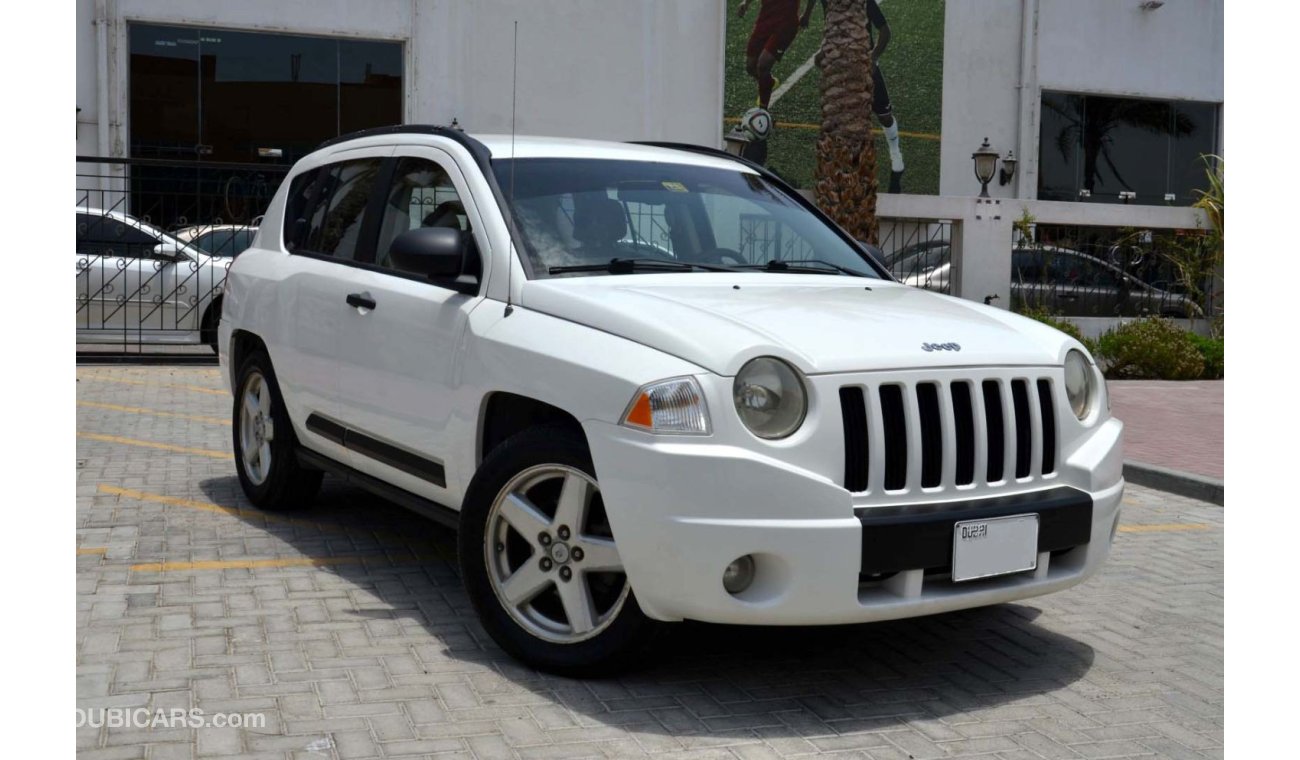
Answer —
(770, 397)
(669, 406)
(1078, 382)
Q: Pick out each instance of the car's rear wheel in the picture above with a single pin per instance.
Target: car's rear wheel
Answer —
(208, 325)
(265, 447)
(540, 561)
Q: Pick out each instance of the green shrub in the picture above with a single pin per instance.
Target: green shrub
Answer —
(1051, 320)
(1150, 349)
(1212, 352)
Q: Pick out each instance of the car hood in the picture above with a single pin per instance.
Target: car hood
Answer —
(821, 324)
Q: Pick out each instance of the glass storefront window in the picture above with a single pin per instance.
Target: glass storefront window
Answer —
(1108, 145)
(222, 95)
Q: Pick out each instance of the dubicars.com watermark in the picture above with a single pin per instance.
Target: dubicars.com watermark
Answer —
(143, 717)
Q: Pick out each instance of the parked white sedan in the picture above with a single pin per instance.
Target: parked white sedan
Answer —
(138, 284)
(756, 425)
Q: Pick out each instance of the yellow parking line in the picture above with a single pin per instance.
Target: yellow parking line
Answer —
(195, 388)
(244, 564)
(153, 445)
(1163, 528)
(400, 540)
(153, 412)
(255, 564)
(205, 506)
(84, 550)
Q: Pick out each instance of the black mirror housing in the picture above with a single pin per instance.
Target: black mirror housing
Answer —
(436, 252)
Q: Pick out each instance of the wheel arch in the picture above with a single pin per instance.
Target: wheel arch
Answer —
(503, 414)
(242, 344)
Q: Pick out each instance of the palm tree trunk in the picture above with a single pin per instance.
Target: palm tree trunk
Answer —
(845, 179)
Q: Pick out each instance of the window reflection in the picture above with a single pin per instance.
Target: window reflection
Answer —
(1108, 146)
(222, 95)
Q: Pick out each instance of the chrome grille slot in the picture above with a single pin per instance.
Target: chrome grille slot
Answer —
(1024, 438)
(964, 422)
(996, 429)
(894, 418)
(927, 404)
(853, 408)
(1049, 425)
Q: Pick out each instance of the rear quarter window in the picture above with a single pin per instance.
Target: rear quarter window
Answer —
(302, 196)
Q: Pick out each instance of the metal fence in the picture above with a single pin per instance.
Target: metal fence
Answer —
(154, 241)
(1088, 271)
(919, 251)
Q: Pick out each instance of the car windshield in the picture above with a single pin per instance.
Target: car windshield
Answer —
(575, 213)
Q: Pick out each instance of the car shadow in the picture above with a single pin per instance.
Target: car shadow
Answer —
(701, 680)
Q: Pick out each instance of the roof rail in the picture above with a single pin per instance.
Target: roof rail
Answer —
(476, 149)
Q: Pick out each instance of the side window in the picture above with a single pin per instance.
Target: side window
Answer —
(216, 242)
(103, 235)
(336, 223)
(303, 191)
(421, 195)
(1031, 265)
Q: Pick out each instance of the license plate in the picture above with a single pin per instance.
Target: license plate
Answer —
(997, 546)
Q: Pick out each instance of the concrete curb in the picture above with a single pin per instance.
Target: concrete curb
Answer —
(1175, 481)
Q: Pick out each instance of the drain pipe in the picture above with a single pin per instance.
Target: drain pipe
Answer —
(101, 40)
(1028, 96)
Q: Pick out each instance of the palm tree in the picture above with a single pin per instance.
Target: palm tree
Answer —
(845, 176)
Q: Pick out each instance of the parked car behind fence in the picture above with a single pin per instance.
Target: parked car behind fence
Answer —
(154, 240)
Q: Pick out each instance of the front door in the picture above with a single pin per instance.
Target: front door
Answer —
(398, 365)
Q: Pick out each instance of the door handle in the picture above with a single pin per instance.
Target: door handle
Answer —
(361, 301)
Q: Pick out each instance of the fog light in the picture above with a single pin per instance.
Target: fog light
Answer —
(738, 575)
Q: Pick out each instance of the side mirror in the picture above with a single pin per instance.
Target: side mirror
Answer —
(168, 252)
(438, 253)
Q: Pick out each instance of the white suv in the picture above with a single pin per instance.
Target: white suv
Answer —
(651, 383)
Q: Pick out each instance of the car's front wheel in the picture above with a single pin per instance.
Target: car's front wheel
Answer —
(540, 561)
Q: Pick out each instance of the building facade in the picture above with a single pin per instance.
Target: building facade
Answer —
(255, 81)
(1096, 99)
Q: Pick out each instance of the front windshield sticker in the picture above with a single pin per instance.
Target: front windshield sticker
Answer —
(675, 187)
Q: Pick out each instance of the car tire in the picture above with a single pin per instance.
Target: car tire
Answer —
(503, 555)
(265, 446)
(208, 327)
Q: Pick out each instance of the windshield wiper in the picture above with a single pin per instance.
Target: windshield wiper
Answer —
(628, 266)
(811, 266)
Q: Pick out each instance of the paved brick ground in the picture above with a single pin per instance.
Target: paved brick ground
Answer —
(384, 658)
(1172, 424)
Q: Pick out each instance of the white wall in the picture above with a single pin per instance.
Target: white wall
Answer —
(617, 69)
(993, 47)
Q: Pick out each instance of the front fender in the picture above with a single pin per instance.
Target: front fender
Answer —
(586, 372)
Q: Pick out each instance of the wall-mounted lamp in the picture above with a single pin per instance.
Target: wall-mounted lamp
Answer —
(986, 164)
(1008, 168)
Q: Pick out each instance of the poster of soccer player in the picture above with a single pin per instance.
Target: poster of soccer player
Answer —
(774, 71)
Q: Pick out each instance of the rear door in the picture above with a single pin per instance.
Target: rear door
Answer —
(398, 368)
(325, 225)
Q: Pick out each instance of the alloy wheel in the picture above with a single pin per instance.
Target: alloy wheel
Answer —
(256, 430)
(551, 556)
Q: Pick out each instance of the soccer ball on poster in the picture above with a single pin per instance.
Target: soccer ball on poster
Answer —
(756, 124)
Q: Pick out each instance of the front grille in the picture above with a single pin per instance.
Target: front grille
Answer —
(936, 434)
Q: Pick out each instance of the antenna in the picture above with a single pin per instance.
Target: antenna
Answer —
(514, 89)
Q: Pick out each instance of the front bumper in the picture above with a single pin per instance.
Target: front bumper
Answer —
(682, 510)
